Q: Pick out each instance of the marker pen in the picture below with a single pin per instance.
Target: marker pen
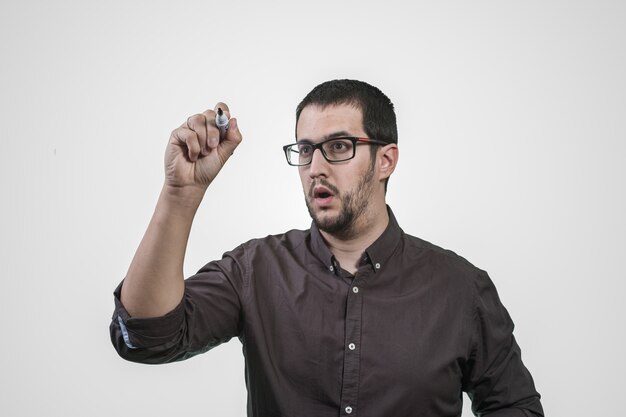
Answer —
(222, 122)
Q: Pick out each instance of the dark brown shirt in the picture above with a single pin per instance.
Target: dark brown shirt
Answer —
(412, 329)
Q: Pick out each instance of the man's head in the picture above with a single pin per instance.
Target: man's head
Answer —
(344, 197)
(379, 117)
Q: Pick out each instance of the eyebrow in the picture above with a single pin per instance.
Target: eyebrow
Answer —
(338, 134)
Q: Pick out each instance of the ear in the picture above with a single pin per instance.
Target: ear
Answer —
(387, 160)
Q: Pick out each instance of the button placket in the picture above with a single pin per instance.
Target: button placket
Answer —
(352, 359)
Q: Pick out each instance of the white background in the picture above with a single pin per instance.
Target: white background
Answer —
(512, 140)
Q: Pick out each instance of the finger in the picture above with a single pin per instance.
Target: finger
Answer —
(213, 133)
(198, 123)
(188, 140)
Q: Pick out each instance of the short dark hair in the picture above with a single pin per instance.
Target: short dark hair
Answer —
(379, 117)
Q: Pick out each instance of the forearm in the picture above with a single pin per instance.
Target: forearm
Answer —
(154, 284)
(195, 154)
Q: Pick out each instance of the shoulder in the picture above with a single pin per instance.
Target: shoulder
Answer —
(260, 251)
(444, 267)
(436, 256)
(292, 240)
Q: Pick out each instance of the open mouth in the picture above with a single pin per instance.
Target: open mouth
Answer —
(322, 194)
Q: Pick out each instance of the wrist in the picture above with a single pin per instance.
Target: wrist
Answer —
(185, 199)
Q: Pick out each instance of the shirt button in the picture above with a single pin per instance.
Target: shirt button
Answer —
(331, 268)
(377, 266)
(355, 289)
(351, 346)
(348, 410)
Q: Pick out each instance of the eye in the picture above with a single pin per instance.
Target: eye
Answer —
(305, 149)
(339, 146)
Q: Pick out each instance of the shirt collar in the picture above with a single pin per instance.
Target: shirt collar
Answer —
(320, 249)
(378, 253)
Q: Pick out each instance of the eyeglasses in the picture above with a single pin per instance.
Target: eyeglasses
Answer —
(334, 150)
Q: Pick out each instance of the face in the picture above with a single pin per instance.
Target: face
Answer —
(337, 194)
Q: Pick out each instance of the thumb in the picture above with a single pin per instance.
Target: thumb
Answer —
(233, 137)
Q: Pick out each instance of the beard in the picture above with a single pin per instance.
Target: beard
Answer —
(353, 205)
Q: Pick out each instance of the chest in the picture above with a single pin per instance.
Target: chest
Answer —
(345, 342)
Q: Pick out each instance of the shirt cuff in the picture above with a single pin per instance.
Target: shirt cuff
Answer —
(146, 332)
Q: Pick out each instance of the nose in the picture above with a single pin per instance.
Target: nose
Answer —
(319, 164)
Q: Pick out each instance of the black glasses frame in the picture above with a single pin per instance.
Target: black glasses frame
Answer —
(289, 150)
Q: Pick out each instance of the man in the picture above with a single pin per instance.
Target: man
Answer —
(352, 317)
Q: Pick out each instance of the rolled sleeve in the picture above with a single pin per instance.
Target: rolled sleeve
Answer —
(144, 339)
(208, 315)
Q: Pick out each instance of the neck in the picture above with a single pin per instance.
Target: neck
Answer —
(348, 249)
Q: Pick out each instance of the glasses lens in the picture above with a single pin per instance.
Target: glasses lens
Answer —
(338, 149)
(299, 154)
(305, 152)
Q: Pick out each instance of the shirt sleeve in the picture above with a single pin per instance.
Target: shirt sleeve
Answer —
(497, 382)
(208, 315)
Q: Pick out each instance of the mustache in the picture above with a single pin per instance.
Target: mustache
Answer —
(326, 184)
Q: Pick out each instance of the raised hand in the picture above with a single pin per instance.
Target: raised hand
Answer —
(195, 154)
